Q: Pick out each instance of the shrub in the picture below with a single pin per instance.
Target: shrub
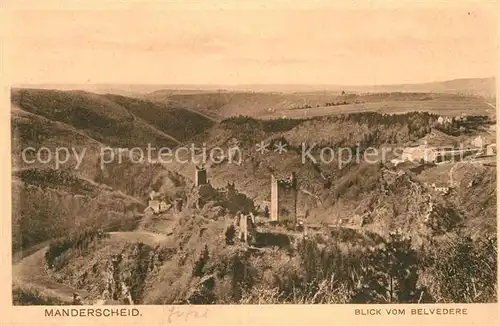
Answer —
(390, 273)
(461, 269)
(79, 241)
(229, 234)
(201, 262)
(32, 297)
(280, 124)
(56, 249)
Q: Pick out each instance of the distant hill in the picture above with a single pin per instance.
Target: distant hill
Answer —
(467, 86)
(214, 101)
(113, 120)
(473, 86)
(181, 123)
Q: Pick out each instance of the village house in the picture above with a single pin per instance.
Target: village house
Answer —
(153, 207)
(155, 204)
(491, 149)
(479, 142)
(432, 154)
(157, 207)
(443, 189)
(418, 153)
(461, 117)
(163, 206)
(396, 161)
(444, 120)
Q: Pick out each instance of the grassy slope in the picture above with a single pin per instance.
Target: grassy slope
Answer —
(111, 119)
(48, 204)
(180, 123)
(32, 130)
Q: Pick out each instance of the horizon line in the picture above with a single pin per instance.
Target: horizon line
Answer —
(256, 84)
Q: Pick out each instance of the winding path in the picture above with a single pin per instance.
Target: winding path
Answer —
(491, 105)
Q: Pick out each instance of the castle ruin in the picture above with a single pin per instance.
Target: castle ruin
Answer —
(200, 176)
(284, 199)
(245, 226)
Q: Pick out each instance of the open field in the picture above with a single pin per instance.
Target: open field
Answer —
(218, 105)
(448, 107)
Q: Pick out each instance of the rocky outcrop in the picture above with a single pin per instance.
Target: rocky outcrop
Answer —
(407, 205)
(117, 275)
(126, 273)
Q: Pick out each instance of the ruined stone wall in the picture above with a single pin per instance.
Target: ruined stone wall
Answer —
(274, 199)
(287, 203)
(200, 177)
(283, 200)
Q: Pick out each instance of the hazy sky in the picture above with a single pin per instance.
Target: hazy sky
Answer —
(335, 46)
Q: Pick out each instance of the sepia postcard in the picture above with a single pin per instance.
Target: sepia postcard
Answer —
(249, 163)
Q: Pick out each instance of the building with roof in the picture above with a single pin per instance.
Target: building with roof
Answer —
(153, 207)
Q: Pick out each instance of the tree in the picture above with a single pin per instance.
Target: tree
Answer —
(390, 274)
(229, 234)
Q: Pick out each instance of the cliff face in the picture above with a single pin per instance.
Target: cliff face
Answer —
(117, 273)
(412, 208)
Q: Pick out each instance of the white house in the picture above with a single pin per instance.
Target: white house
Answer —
(417, 153)
(153, 206)
(478, 142)
(444, 189)
(491, 149)
(163, 206)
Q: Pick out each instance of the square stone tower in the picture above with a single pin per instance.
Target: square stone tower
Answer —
(200, 176)
(284, 199)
